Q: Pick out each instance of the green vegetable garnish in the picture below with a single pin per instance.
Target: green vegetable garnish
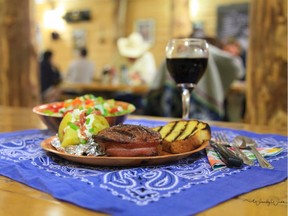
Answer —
(73, 126)
(89, 111)
(87, 121)
(49, 112)
(83, 141)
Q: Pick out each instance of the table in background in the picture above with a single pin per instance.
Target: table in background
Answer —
(236, 101)
(102, 89)
(19, 199)
(127, 93)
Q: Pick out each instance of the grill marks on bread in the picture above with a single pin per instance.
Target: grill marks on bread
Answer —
(184, 135)
(179, 130)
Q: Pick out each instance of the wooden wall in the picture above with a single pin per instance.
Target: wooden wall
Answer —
(171, 19)
(100, 31)
(103, 30)
(207, 13)
(159, 11)
(18, 58)
(267, 64)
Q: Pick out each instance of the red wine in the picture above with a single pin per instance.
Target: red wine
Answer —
(186, 70)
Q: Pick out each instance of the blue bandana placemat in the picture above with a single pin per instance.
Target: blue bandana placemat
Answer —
(185, 187)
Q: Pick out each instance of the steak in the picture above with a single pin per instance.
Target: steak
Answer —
(129, 140)
(136, 152)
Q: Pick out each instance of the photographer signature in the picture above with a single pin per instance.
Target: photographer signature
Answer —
(267, 202)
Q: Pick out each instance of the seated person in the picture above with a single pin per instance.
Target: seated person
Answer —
(50, 77)
(137, 64)
(135, 59)
(232, 46)
(81, 70)
(211, 91)
(207, 99)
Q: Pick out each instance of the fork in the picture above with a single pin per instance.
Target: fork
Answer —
(222, 139)
(226, 155)
(251, 144)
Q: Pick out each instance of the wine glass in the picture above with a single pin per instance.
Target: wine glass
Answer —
(186, 61)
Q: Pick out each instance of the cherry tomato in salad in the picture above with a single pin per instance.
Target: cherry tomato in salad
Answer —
(97, 105)
(114, 110)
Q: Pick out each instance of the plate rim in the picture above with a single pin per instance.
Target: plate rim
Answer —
(51, 149)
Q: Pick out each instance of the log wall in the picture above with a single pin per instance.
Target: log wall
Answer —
(267, 64)
(18, 61)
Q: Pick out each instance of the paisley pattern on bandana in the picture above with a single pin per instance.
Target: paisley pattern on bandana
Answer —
(140, 185)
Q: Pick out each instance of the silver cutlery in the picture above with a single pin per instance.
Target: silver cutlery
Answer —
(251, 145)
(239, 153)
(226, 155)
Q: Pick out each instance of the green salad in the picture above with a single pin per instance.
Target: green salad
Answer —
(92, 104)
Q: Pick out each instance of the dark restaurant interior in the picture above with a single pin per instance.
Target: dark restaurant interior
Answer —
(86, 45)
(259, 96)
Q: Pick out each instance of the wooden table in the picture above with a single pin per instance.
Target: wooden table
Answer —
(100, 87)
(238, 86)
(19, 199)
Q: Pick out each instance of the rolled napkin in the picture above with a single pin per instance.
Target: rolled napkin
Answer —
(217, 163)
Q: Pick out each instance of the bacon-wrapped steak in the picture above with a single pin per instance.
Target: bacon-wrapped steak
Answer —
(126, 140)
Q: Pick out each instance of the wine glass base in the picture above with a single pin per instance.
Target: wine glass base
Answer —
(189, 86)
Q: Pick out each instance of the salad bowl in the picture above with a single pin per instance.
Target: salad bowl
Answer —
(115, 112)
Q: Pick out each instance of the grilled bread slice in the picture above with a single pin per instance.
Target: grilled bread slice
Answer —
(183, 135)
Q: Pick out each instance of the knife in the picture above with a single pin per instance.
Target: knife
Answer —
(227, 156)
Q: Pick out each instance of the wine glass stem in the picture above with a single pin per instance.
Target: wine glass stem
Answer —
(185, 102)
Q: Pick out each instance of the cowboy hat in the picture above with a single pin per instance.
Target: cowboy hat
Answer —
(133, 46)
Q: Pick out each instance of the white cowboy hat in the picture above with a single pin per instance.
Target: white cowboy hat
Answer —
(133, 46)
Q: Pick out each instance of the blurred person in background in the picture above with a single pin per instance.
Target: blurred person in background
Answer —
(135, 65)
(81, 70)
(208, 97)
(211, 92)
(50, 77)
(135, 60)
(232, 46)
